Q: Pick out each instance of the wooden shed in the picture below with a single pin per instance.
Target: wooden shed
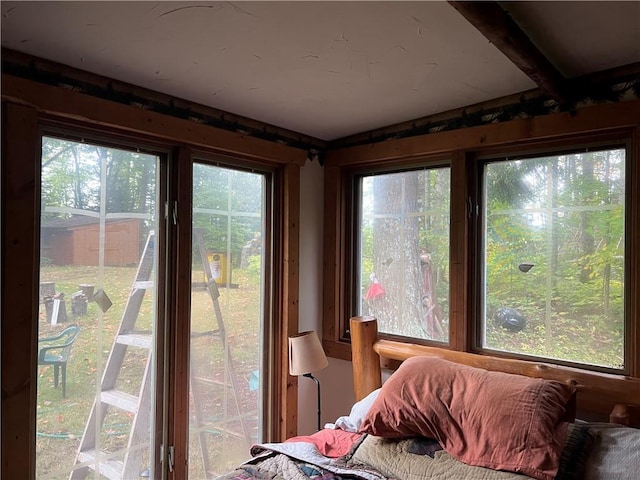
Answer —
(75, 241)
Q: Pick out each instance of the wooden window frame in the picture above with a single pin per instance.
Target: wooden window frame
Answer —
(576, 143)
(25, 106)
(464, 147)
(354, 175)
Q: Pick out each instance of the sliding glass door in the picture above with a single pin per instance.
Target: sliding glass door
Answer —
(227, 312)
(108, 327)
(99, 320)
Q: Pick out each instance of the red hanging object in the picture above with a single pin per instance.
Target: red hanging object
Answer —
(375, 290)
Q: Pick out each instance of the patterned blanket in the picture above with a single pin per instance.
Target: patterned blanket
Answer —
(592, 452)
(299, 461)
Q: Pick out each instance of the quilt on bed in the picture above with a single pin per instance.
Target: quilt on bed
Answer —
(301, 460)
(376, 458)
(422, 458)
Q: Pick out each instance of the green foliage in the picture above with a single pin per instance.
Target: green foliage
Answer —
(569, 223)
(227, 207)
(71, 177)
(405, 220)
(253, 270)
(366, 256)
(227, 203)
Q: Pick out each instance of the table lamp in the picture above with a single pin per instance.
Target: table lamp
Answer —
(305, 356)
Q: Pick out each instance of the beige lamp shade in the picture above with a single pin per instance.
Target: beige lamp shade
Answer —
(306, 354)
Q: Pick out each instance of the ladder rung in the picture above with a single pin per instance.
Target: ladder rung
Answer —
(211, 381)
(135, 340)
(226, 431)
(111, 469)
(235, 418)
(127, 335)
(214, 427)
(208, 333)
(213, 430)
(121, 400)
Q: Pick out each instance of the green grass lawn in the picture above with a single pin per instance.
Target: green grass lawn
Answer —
(61, 422)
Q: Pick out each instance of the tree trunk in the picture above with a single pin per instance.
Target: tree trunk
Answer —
(79, 202)
(587, 245)
(396, 255)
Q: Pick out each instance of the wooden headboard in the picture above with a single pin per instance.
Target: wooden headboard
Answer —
(600, 396)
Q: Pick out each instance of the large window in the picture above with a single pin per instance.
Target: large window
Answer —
(97, 234)
(519, 252)
(99, 318)
(403, 262)
(227, 318)
(101, 387)
(554, 257)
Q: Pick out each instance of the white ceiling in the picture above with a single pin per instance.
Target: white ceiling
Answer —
(326, 69)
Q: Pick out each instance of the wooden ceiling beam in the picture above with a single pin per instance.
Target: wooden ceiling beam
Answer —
(504, 33)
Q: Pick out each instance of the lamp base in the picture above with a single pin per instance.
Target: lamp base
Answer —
(308, 375)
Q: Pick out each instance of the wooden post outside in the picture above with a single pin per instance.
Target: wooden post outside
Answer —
(47, 289)
(87, 290)
(365, 361)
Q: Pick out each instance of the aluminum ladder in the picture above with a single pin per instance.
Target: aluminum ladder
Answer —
(111, 398)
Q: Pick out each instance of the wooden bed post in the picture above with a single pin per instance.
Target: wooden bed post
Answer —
(365, 361)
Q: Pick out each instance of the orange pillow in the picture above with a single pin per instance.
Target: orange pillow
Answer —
(489, 419)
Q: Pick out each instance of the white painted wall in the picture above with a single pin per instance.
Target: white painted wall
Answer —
(336, 380)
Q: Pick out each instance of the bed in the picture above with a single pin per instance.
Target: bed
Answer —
(455, 416)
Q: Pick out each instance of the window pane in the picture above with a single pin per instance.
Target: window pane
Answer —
(226, 318)
(404, 252)
(554, 257)
(97, 319)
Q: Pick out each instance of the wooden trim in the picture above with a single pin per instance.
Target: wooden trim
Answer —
(64, 103)
(20, 279)
(585, 120)
(337, 349)
(44, 71)
(181, 328)
(335, 263)
(582, 85)
(288, 385)
(460, 244)
(634, 248)
(503, 32)
(162, 372)
(333, 290)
